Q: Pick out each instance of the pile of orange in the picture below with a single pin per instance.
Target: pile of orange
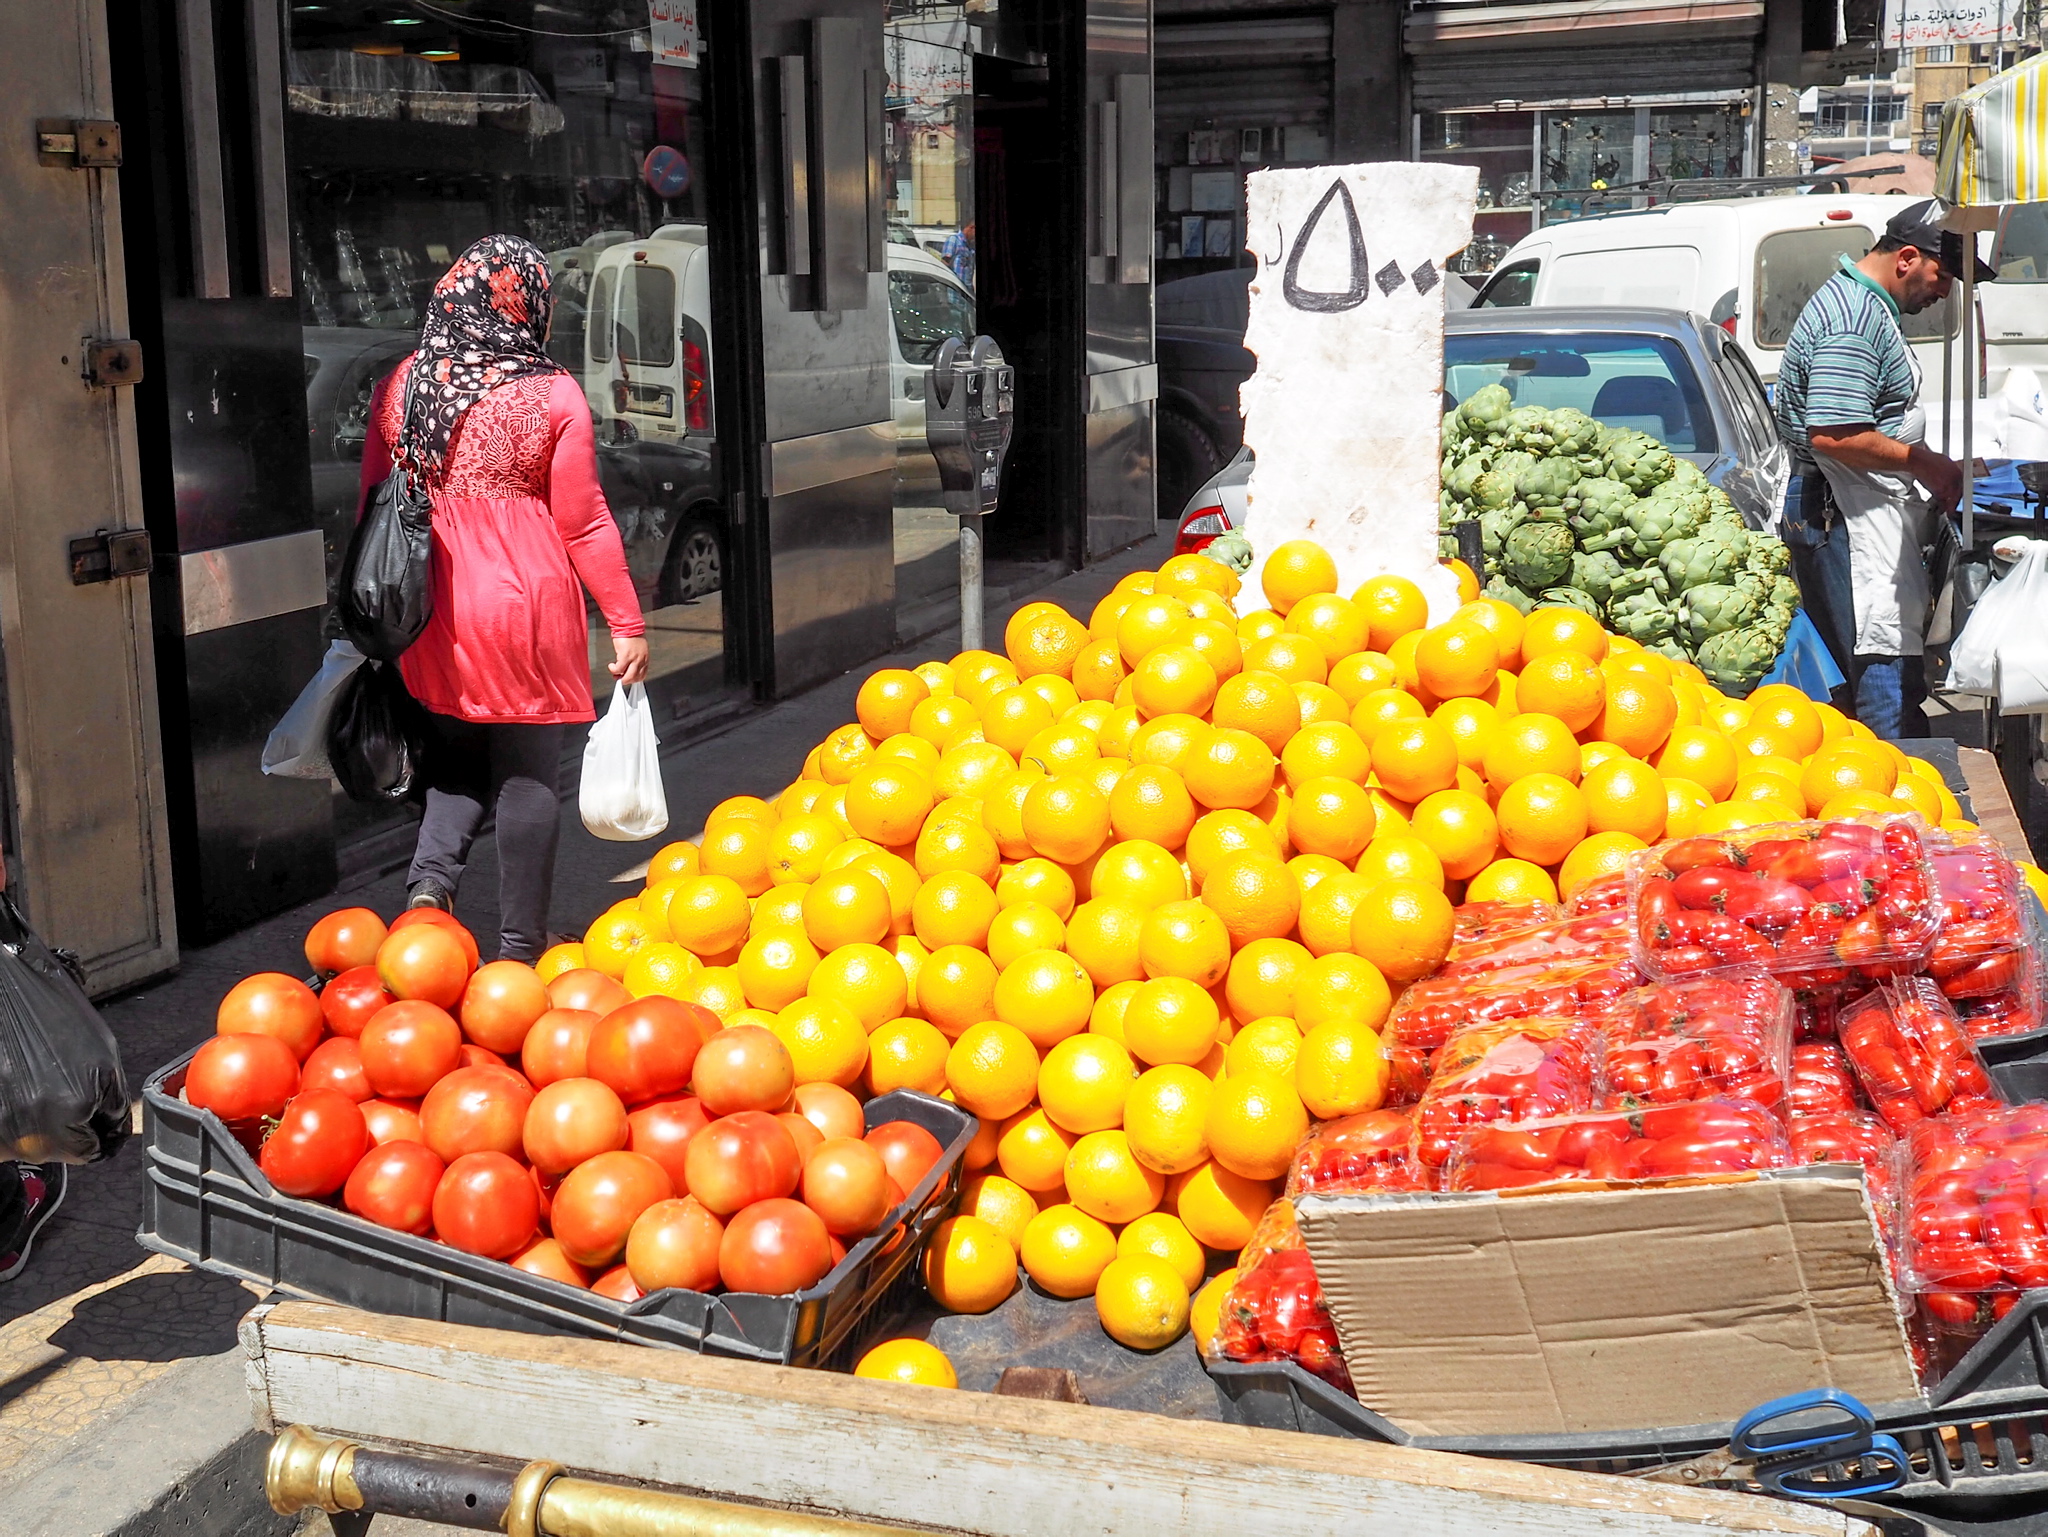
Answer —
(1140, 892)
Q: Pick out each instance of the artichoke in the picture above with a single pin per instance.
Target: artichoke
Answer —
(1528, 428)
(1570, 597)
(1537, 555)
(1634, 580)
(1643, 617)
(1464, 476)
(1595, 574)
(1232, 550)
(1483, 412)
(1500, 587)
(1496, 486)
(1447, 547)
(1549, 483)
(1783, 592)
(1699, 561)
(1767, 556)
(1603, 506)
(1652, 523)
(1575, 434)
(1496, 524)
(1685, 472)
(1639, 461)
(1706, 611)
(1735, 659)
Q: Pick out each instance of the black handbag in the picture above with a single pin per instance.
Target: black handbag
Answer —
(63, 1098)
(385, 594)
(373, 737)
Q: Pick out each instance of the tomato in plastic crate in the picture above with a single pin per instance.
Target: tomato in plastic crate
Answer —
(1513, 1070)
(1274, 1310)
(1980, 949)
(1727, 1035)
(1437, 1007)
(1818, 904)
(1821, 1080)
(1603, 937)
(1373, 1150)
(1852, 1136)
(1689, 1141)
(1476, 921)
(1606, 895)
(1911, 1054)
(2015, 1011)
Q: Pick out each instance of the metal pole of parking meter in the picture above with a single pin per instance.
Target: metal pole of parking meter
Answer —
(968, 420)
(970, 581)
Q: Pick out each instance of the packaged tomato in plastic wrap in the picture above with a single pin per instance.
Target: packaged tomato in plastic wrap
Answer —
(1821, 1081)
(1911, 1054)
(1723, 1036)
(1852, 1136)
(2014, 1011)
(1373, 1150)
(1696, 1140)
(1601, 937)
(1473, 922)
(1818, 904)
(1274, 1310)
(1435, 1008)
(1608, 894)
(1981, 949)
(1513, 1070)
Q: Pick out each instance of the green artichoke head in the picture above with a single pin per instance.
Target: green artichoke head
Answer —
(1595, 574)
(1500, 587)
(1635, 579)
(1735, 659)
(1496, 524)
(1537, 555)
(1569, 597)
(1639, 461)
(1767, 556)
(1603, 506)
(1643, 617)
(1528, 428)
(1464, 476)
(1548, 483)
(1495, 486)
(1783, 593)
(1698, 561)
(1706, 611)
(1231, 549)
(1483, 411)
(1684, 473)
(1574, 433)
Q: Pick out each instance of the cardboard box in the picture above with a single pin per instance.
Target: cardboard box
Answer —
(1622, 1309)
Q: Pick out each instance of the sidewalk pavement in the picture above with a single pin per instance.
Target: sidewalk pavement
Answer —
(95, 1328)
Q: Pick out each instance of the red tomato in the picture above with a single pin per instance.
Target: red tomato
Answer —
(474, 1055)
(344, 940)
(741, 1158)
(486, 1204)
(544, 1257)
(647, 1048)
(475, 1110)
(846, 1183)
(833, 1110)
(393, 1186)
(907, 1149)
(500, 1005)
(348, 1001)
(271, 1003)
(241, 1077)
(439, 920)
(743, 1068)
(597, 1203)
(389, 1122)
(1698, 854)
(336, 1064)
(571, 1121)
(424, 961)
(775, 1246)
(674, 1243)
(618, 1284)
(557, 1046)
(586, 989)
(409, 1047)
(1707, 887)
(803, 1133)
(662, 1129)
(319, 1140)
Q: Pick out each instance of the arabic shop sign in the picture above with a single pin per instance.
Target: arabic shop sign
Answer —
(1935, 23)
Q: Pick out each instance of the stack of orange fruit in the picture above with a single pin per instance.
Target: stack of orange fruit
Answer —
(1140, 892)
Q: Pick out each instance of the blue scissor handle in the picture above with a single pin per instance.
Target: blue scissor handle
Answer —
(1819, 1419)
(1880, 1466)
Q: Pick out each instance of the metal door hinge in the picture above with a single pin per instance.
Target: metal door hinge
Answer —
(111, 362)
(108, 554)
(79, 142)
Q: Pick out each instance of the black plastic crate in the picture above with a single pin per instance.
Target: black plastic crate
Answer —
(208, 1204)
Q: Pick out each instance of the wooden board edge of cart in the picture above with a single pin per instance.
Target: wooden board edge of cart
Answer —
(861, 1450)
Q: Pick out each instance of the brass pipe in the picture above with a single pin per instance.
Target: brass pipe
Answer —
(580, 1507)
(304, 1470)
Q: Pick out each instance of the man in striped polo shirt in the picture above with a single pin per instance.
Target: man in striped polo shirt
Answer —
(1865, 487)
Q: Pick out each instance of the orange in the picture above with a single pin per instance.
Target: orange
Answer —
(610, 942)
(1841, 767)
(1219, 834)
(1138, 873)
(847, 907)
(1107, 1182)
(1308, 869)
(1098, 669)
(1220, 1208)
(899, 878)
(1414, 758)
(1104, 937)
(1511, 880)
(1196, 571)
(1700, 754)
(1684, 801)
(1184, 939)
(1066, 1251)
(1382, 708)
(1170, 1020)
(1083, 1083)
(1255, 896)
(1341, 987)
(1032, 1151)
(1296, 658)
(804, 795)
(1402, 927)
(1394, 606)
(1331, 816)
(824, 1039)
(776, 967)
(1165, 1116)
(1296, 570)
(1319, 702)
(1326, 910)
(956, 845)
(972, 670)
(1149, 623)
(1152, 802)
(1260, 702)
(1531, 743)
(1173, 680)
(743, 808)
(1325, 748)
(1002, 1203)
(1460, 829)
(844, 750)
(1775, 788)
(953, 908)
(718, 989)
(1170, 741)
(1216, 643)
(1043, 638)
(708, 915)
(1400, 857)
(665, 968)
(1341, 1069)
(1761, 741)
(1562, 629)
(1337, 625)
(1359, 674)
(937, 676)
(557, 959)
(739, 848)
(1728, 816)
(1263, 976)
(781, 906)
(1010, 719)
(1918, 795)
(1564, 684)
(1065, 819)
(914, 1361)
(1269, 1045)
(992, 1069)
(1457, 660)
(1254, 1124)
(1023, 928)
(1601, 854)
(1468, 583)
(1783, 708)
(904, 749)
(1232, 769)
(1625, 795)
(907, 1054)
(886, 699)
(1501, 620)
(867, 979)
(1542, 817)
(1002, 811)
(1162, 1236)
(671, 861)
(1107, 1017)
(956, 988)
(1471, 723)
(1047, 995)
(943, 720)
(888, 802)
(968, 1266)
(1142, 1302)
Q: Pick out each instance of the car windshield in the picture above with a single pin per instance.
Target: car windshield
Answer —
(1643, 382)
(928, 309)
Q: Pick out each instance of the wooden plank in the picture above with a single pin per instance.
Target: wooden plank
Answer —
(1988, 798)
(864, 1450)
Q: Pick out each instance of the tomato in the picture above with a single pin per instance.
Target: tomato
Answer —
(743, 1068)
(846, 1184)
(776, 1246)
(1706, 887)
(618, 1284)
(586, 989)
(348, 1001)
(647, 1048)
(486, 1204)
(1800, 865)
(544, 1257)
(557, 1046)
(1698, 854)
(336, 1064)
(674, 1243)
(499, 1005)
(393, 1186)
(597, 1203)
(390, 1122)
(271, 1003)
(475, 1110)
(833, 1110)
(662, 1129)
(439, 920)
(1766, 903)
(571, 1121)
(408, 1047)
(241, 1077)
(424, 961)
(344, 940)
(741, 1158)
(803, 1133)
(318, 1141)
(908, 1151)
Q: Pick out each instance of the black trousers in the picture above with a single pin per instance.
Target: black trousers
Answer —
(470, 768)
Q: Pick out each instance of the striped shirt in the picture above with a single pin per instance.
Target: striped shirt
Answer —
(1846, 363)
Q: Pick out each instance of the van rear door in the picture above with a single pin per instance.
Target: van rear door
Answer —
(1652, 277)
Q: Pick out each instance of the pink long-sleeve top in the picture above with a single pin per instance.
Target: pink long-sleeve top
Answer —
(518, 519)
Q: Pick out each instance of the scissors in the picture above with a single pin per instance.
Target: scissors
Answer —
(1821, 1444)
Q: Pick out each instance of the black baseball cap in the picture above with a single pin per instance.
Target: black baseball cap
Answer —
(1915, 225)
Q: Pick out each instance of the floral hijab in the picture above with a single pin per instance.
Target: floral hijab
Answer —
(486, 324)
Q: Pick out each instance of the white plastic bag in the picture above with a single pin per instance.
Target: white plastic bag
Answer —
(622, 798)
(2004, 647)
(297, 745)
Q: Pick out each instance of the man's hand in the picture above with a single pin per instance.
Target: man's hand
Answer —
(1943, 478)
(631, 651)
(1863, 447)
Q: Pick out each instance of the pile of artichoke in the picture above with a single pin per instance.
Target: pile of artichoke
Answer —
(1610, 521)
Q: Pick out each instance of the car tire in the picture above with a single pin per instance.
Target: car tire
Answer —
(695, 567)
(1187, 457)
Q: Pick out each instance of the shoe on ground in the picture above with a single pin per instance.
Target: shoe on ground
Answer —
(430, 893)
(43, 1186)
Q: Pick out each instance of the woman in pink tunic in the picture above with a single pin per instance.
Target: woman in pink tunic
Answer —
(500, 435)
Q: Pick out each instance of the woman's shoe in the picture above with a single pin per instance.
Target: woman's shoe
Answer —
(43, 1185)
(430, 893)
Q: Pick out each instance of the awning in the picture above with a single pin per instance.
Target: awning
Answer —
(1437, 28)
(1994, 140)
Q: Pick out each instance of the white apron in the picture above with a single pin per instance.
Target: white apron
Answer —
(1887, 519)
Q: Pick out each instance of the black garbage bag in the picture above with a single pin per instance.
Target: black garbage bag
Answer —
(373, 736)
(63, 1098)
(385, 597)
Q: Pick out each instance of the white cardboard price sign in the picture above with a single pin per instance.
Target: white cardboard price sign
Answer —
(1344, 412)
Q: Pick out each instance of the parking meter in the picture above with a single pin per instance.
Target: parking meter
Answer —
(968, 421)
